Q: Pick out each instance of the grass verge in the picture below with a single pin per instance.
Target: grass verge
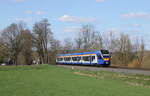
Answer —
(46, 80)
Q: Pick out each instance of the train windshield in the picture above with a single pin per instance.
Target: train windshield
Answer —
(105, 53)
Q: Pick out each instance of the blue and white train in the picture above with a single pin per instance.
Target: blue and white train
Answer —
(87, 58)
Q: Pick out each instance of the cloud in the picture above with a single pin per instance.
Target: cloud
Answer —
(76, 19)
(23, 19)
(136, 25)
(72, 29)
(100, 1)
(18, 1)
(36, 13)
(40, 12)
(132, 25)
(136, 15)
(28, 12)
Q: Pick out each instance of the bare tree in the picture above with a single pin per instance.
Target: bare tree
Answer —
(55, 45)
(121, 48)
(56, 48)
(139, 49)
(88, 39)
(112, 42)
(79, 41)
(68, 45)
(97, 41)
(42, 37)
(3, 51)
(12, 37)
(27, 46)
(87, 33)
(125, 49)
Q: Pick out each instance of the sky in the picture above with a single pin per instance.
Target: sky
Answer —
(67, 16)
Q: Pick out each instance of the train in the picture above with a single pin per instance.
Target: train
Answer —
(99, 58)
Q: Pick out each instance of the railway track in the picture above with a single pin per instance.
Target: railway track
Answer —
(133, 71)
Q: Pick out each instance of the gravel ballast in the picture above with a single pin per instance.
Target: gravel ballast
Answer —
(119, 70)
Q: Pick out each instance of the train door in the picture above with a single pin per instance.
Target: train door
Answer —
(79, 60)
(93, 59)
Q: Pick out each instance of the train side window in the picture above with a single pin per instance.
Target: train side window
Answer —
(78, 58)
(99, 57)
(59, 59)
(74, 58)
(86, 58)
(67, 58)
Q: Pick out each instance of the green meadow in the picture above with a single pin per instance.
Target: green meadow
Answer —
(48, 80)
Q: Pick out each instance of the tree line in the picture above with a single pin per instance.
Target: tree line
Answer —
(21, 46)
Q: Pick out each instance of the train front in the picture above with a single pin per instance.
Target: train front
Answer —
(106, 57)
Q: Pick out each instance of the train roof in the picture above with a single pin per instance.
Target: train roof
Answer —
(83, 53)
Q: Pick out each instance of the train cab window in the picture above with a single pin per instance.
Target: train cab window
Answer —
(86, 58)
(92, 58)
(105, 51)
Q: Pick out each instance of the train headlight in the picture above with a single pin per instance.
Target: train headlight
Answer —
(106, 59)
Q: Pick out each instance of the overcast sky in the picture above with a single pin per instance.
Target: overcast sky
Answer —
(66, 16)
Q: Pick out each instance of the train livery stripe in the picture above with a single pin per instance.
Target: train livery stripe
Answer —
(77, 55)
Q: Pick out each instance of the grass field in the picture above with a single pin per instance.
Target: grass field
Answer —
(46, 80)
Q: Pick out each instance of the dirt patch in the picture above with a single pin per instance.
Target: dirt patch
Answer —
(89, 75)
(137, 84)
(118, 76)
